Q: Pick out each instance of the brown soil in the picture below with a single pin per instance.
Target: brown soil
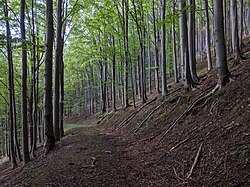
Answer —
(110, 154)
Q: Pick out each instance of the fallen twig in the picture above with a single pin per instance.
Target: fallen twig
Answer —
(195, 161)
(135, 112)
(151, 113)
(93, 161)
(104, 116)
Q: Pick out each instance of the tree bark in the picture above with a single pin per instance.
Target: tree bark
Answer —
(113, 76)
(191, 41)
(221, 54)
(176, 78)
(208, 38)
(58, 61)
(187, 80)
(10, 86)
(163, 52)
(48, 115)
(156, 56)
(235, 32)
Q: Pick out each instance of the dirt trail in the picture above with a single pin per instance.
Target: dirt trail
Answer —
(85, 157)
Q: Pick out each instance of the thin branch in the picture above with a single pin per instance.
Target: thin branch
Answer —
(4, 84)
(4, 99)
(195, 161)
(71, 12)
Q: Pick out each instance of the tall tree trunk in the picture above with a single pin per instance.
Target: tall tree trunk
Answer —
(235, 32)
(221, 55)
(126, 52)
(58, 61)
(17, 148)
(48, 115)
(187, 79)
(156, 59)
(103, 93)
(35, 97)
(248, 16)
(191, 41)
(208, 38)
(163, 52)
(176, 79)
(11, 87)
(241, 24)
(149, 59)
(113, 76)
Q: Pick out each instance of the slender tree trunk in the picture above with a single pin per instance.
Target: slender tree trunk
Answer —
(187, 80)
(34, 114)
(208, 38)
(149, 59)
(241, 24)
(191, 41)
(17, 148)
(163, 52)
(176, 79)
(113, 76)
(48, 115)
(221, 55)
(156, 57)
(125, 10)
(58, 61)
(248, 16)
(235, 32)
(11, 87)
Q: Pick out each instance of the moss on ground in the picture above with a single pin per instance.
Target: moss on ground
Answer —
(39, 180)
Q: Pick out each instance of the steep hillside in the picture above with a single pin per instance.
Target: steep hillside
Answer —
(183, 139)
(178, 129)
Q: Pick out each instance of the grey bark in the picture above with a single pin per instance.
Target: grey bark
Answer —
(176, 78)
(187, 80)
(221, 54)
(191, 41)
(48, 115)
(58, 61)
(156, 50)
(208, 38)
(235, 32)
(11, 87)
(163, 48)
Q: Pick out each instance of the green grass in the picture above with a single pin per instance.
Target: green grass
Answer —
(88, 129)
(39, 180)
(72, 126)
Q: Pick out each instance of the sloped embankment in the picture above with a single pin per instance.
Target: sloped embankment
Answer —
(172, 143)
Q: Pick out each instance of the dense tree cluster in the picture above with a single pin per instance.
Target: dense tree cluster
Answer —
(95, 56)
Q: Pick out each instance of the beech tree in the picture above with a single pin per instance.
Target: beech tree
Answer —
(108, 55)
(186, 75)
(220, 47)
(235, 32)
(48, 115)
(10, 86)
(25, 141)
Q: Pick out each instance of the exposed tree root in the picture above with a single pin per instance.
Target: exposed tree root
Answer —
(105, 115)
(151, 113)
(135, 112)
(178, 175)
(189, 108)
(195, 161)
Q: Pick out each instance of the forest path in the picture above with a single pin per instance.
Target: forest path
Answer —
(84, 157)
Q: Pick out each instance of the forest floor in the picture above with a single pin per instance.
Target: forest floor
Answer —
(209, 145)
